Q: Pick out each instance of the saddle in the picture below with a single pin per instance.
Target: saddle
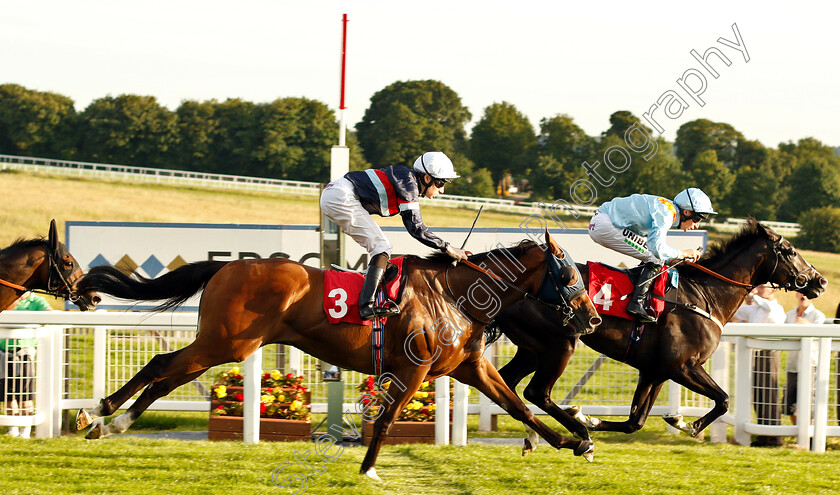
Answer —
(608, 284)
(342, 287)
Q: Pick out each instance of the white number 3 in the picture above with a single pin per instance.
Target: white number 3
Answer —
(340, 303)
(604, 297)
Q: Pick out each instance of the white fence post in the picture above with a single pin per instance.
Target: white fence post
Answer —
(295, 361)
(100, 351)
(442, 411)
(459, 414)
(251, 395)
(674, 395)
(821, 402)
(485, 419)
(743, 390)
(720, 374)
(803, 397)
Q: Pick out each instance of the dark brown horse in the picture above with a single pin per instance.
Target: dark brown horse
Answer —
(251, 303)
(674, 348)
(44, 265)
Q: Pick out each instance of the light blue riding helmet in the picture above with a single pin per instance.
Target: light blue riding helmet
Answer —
(695, 200)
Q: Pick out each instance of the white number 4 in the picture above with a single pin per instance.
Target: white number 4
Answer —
(604, 297)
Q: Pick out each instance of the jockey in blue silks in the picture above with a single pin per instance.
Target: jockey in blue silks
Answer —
(637, 226)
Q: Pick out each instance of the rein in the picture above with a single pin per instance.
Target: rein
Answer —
(13, 286)
(718, 276)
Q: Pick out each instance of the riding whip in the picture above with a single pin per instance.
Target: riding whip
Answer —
(625, 296)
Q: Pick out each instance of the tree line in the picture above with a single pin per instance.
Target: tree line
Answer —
(290, 138)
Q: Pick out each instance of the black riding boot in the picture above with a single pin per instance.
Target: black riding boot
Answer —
(636, 307)
(375, 272)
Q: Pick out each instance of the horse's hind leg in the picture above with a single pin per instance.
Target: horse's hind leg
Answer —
(643, 399)
(152, 393)
(403, 386)
(486, 379)
(154, 370)
(697, 380)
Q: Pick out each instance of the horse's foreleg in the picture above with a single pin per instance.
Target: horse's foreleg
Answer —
(538, 391)
(697, 380)
(152, 393)
(154, 370)
(482, 375)
(522, 364)
(403, 386)
(643, 399)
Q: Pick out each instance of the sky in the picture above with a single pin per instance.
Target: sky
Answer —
(584, 59)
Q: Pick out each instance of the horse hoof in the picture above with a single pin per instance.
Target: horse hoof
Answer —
(572, 410)
(95, 433)
(83, 420)
(371, 473)
(527, 448)
(586, 449)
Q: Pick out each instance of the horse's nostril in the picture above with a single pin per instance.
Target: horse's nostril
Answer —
(823, 282)
(96, 300)
(594, 322)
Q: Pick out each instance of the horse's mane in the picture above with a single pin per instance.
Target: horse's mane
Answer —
(719, 250)
(515, 250)
(23, 244)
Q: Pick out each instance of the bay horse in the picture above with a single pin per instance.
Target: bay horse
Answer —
(247, 304)
(675, 348)
(43, 265)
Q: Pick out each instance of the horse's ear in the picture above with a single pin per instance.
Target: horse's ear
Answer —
(549, 241)
(53, 238)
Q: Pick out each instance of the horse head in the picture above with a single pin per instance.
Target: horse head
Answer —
(64, 274)
(562, 273)
(788, 269)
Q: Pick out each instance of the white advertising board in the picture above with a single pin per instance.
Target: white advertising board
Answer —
(152, 249)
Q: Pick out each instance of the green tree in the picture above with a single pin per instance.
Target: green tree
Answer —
(713, 177)
(408, 118)
(235, 137)
(128, 130)
(197, 128)
(700, 135)
(34, 123)
(568, 146)
(814, 183)
(473, 182)
(756, 192)
(500, 140)
(820, 229)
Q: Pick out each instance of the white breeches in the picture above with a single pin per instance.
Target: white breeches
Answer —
(602, 231)
(340, 203)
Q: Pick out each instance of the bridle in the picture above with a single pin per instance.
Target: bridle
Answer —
(798, 279)
(550, 293)
(62, 287)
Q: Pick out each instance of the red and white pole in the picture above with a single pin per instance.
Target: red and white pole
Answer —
(342, 107)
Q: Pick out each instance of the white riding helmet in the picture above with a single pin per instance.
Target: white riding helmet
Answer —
(695, 200)
(436, 164)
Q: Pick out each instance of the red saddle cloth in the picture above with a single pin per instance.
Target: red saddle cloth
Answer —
(341, 294)
(606, 286)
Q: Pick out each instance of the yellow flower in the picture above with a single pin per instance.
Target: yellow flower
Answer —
(414, 405)
(221, 392)
(234, 371)
(281, 397)
(294, 406)
(421, 395)
(275, 374)
(432, 407)
(267, 399)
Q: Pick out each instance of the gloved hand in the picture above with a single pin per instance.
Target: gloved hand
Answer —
(690, 254)
(456, 253)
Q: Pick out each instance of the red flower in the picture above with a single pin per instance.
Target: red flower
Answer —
(221, 406)
(266, 376)
(366, 400)
(289, 376)
(238, 377)
(262, 408)
(239, 397)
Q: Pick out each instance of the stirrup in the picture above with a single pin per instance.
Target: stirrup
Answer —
(642, 315)
(388, 308)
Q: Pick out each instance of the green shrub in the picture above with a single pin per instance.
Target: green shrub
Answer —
(820, 229)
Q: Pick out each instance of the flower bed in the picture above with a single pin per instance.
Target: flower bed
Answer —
(284, 407)
(415, 424)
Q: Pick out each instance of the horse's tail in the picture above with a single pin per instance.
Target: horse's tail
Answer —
(172, 288)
